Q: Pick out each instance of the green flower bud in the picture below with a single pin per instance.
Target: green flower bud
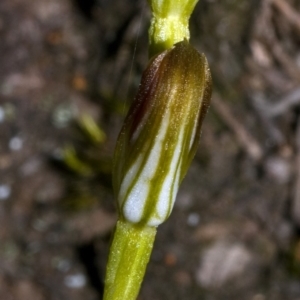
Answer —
(160, 134)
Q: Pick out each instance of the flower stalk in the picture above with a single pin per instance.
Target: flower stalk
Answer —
(128, 258)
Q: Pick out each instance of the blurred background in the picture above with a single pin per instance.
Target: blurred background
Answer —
(69, 70)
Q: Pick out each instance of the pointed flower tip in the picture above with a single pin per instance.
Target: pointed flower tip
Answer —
(160, 134)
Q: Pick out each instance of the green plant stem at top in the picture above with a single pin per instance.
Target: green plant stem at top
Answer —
(169, 23)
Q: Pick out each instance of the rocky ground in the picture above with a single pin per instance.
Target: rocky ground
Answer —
(234, 231)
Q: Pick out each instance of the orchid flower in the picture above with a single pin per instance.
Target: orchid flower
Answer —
(156, 145)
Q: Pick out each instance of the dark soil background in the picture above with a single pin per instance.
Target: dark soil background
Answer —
(234, 232)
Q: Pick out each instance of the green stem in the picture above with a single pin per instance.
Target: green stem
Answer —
(169, 23)
(128, 258)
